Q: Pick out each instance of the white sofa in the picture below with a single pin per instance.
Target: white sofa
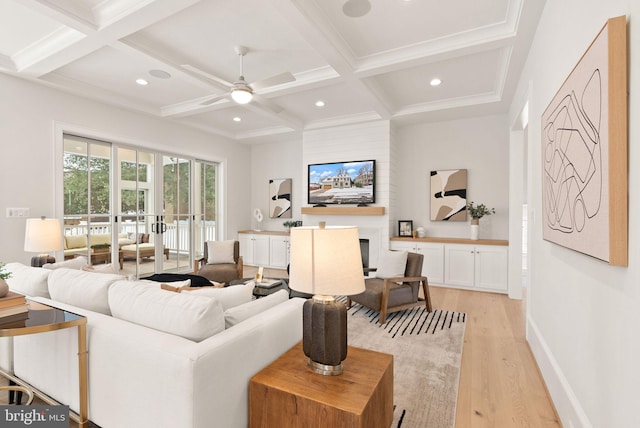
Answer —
(145, 377)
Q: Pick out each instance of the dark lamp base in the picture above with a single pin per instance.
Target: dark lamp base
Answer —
(39, 261)
(324, 334)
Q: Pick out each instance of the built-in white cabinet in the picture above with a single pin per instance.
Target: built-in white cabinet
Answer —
(279, 251)
(476, 266)
(254, 249)
(461, 262)
(433, 263)
(267, 249)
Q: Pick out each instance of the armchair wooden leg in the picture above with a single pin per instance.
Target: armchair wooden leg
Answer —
(349, 302)
(427, 296)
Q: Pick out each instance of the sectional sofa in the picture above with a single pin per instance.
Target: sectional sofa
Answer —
(156, 358)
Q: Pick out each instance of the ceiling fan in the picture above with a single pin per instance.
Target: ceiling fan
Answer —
(240, 91)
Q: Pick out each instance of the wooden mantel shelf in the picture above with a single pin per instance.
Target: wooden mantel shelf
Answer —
(336, 210)
(500, 242)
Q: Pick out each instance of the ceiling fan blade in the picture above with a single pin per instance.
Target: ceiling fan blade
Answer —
(273, 81)
(267, 104)
(209, 76)
(213, 99)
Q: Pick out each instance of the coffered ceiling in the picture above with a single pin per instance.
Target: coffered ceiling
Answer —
(375, 66)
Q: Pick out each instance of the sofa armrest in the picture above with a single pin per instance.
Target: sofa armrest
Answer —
(197, 264)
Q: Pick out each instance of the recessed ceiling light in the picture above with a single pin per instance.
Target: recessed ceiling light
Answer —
(435, 82)
(160, 74)
(142, 82)
(319, 103)
(237, 119)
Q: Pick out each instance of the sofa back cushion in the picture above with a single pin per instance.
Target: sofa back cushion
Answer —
(230, 296)
(101, 239)
(27, 280)
(87, 290)
(75, 241)
(183, 314)
(237, 314)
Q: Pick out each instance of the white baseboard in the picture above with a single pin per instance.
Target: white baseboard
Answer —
(569, 410)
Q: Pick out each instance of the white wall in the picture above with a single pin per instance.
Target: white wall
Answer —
(275, 160)
(481, 145)
(583, 315)
(28, 115)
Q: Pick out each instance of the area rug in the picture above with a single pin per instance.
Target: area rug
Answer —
(427, 353)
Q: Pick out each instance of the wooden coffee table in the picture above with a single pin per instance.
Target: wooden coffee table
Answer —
(288, 394)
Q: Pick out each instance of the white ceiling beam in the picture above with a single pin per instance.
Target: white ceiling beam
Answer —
(147, 14)
(313, 27)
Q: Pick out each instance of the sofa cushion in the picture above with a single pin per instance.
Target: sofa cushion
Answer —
(237, 314)
(75, 241)
(87, 290)
(220, 252)
(391, 264)
(100, 239)
(229, 297)
(183, 314)
(74, 263)
(30, 281)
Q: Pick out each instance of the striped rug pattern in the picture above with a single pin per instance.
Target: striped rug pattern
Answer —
(427, 351)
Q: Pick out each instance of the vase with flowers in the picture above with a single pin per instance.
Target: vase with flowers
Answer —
(477, 212)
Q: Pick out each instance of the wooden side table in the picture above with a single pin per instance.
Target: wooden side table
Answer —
(288, 394)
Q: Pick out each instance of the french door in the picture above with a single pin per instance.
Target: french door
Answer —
(156, 210)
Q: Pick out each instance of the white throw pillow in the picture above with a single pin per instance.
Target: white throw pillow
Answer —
(391, 264)
(236, 315)
(86, 290)
(220, 252)
(75, 263)
(182, 314)
(103, 268)
(28, 280)
(230, 296)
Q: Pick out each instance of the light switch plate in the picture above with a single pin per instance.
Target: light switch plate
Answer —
(17, 212)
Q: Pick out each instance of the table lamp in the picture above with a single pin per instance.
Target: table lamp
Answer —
(325, 262)
(40, 236)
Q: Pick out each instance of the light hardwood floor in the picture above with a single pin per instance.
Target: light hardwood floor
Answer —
(500, 384)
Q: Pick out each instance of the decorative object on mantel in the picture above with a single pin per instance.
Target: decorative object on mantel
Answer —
(4, 287)
(280, 197)
(584, 152)
(421, 232)
(291, 223)
(257, 214)
(449, 195)
(405, 228)
(477, 212)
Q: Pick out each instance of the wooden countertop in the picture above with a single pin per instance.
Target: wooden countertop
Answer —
(265, 232)
(501, 242)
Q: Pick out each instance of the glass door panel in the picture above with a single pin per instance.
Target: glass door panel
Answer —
(175, 226)
(87, 199)
(205, 224)
(136, 200)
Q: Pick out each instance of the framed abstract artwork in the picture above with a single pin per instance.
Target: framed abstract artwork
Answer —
(584, 152)
(449, 195)
(280, 198)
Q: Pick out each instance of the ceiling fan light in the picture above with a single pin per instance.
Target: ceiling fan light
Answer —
(241, 96)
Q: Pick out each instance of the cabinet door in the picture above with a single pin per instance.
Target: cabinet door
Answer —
(246, 247)
(261, 250)
(459, 265)
(433, 264)
(279, 251)
(491, 267)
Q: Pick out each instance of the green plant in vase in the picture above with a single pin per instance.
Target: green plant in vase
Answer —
(477, 212)
(4, 287)
(289, 224)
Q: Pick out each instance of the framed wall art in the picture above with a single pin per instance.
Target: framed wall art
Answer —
(280, 198)
(584, 152)
(449, 195)
(405, 228)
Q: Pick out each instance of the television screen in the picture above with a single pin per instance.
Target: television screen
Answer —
(342, 183)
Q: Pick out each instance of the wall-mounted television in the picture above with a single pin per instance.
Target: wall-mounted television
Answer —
(342, 183)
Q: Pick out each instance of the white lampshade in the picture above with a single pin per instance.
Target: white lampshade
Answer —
(42, 235)
(241, 95)
(326, 261)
